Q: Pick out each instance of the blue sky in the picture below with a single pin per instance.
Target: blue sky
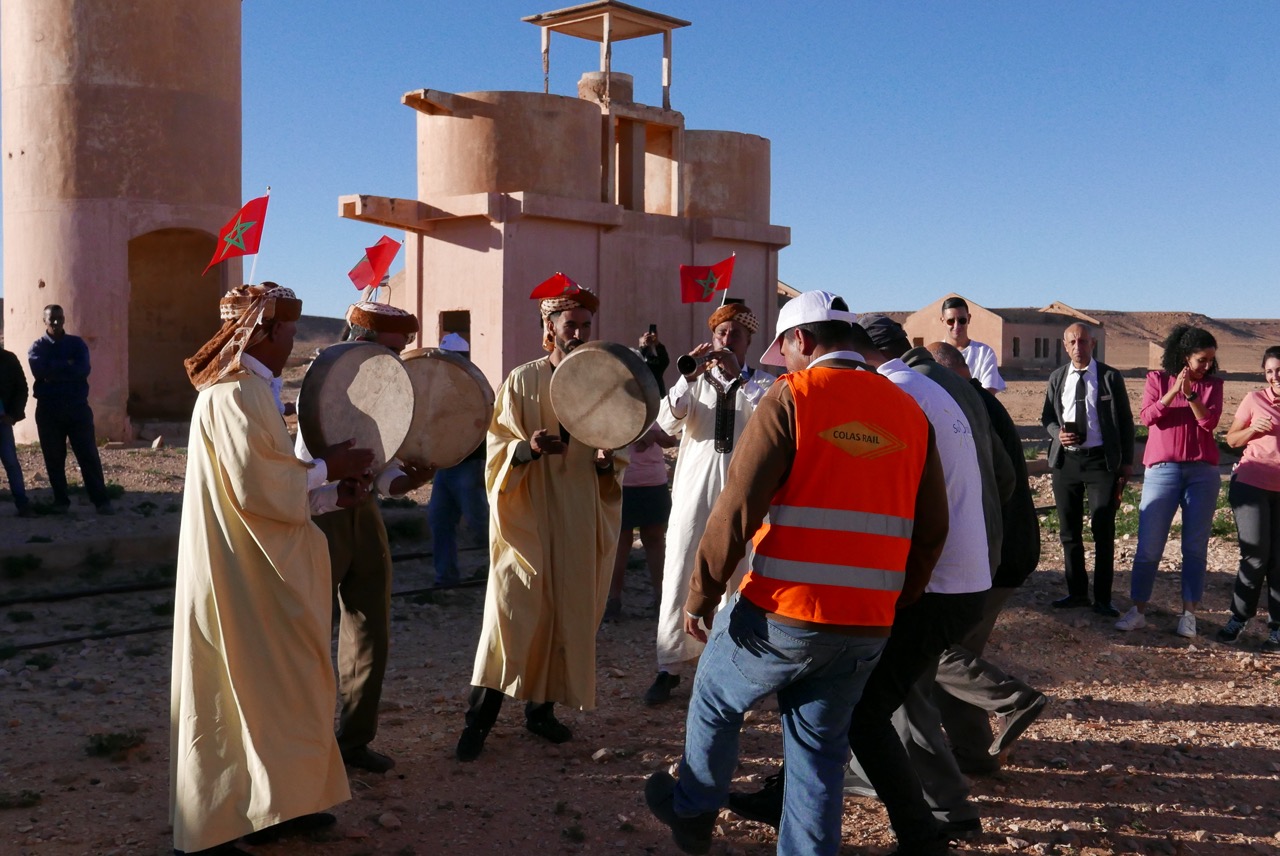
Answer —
(1114, 155)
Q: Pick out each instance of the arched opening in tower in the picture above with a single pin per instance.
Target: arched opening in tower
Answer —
(172, 312)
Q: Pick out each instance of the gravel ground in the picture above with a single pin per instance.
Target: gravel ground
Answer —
(1151, 744)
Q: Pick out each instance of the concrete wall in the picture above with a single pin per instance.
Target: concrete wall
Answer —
(117, 120)
(515, 186)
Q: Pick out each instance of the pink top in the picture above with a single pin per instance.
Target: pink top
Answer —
(1260, 466)
(647, 468)
(1176, 435)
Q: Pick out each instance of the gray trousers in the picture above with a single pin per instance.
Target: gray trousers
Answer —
(968, 688)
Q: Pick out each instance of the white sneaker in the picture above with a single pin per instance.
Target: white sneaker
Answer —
(1132, 620)
(1187, 625)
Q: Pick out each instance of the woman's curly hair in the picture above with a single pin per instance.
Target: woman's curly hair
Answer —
(1183, 341)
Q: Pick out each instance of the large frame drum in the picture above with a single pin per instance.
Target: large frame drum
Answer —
(452, 406)
(604, 395)
(357, 390)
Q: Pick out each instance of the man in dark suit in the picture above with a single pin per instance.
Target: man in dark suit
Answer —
(1090, 426)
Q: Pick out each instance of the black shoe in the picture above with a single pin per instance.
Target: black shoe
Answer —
(1106, 609)
(550, 728)
(27, 511)
(106, 510)
(960, 830)
(764, 806)
(1071, 601)
(1015, 723)
(471, 743)
(660, 692)
(293, 826)
(612, 610)
(691, 834)
(364, 758)
(60, 507)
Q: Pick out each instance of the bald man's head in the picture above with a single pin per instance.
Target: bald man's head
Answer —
(949, 356)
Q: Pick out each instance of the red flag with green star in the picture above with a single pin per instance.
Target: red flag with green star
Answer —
(699, 282)
(373, 266)
(242, 234)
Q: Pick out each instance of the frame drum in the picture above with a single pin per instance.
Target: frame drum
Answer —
(452, 406)
(360, 390)
(605, 395)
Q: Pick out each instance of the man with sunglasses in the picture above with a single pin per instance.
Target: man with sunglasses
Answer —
(978, 356)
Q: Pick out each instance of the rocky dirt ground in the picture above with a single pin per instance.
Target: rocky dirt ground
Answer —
(1152, 743)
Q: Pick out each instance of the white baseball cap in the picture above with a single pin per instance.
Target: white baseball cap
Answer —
(454, 342)
(809, 308)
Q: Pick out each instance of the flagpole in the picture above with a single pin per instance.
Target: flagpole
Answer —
(253, 268)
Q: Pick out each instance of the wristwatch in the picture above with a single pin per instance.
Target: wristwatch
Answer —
(1192, 395)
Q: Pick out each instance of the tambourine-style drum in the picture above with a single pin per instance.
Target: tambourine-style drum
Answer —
(356, 390)
(452, 406)
(605, 395)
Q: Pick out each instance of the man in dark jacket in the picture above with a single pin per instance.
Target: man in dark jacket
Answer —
(60, 365)
(1090, 425)
(13, 406)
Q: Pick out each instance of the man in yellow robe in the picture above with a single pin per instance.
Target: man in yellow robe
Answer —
(556, 511)
(252, 749)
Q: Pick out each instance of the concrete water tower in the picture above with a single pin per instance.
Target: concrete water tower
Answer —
(513, 186)
(120, 139)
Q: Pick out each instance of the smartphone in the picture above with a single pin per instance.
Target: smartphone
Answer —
(653, 328)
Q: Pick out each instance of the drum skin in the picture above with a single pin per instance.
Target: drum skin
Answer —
(604, 395)
(452, 406)
(356, 390)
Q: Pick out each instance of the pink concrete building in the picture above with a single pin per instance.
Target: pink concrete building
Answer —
(121, 130)
(514, 186)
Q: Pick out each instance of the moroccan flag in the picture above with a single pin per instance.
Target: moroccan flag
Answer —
(699, 282)
(372, 267)
(242, 234)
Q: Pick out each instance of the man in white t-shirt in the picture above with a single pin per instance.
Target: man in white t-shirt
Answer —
(978, 356)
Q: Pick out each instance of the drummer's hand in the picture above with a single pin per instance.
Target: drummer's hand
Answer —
(728, 362)
(545, 443)
(415, 476)
(343, 461)
(604, 459)
(697, 353)
(351, 491)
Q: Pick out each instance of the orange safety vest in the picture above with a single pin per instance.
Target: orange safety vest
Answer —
(834, 547)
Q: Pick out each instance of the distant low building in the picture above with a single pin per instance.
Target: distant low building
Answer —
(1024, 339)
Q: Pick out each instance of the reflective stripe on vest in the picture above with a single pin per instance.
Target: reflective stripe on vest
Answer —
(822, 574)
(835, 519)
(835, 546)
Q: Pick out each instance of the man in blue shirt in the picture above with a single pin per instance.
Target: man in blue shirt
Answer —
(60, 365)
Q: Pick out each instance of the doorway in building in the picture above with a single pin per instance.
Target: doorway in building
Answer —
(172, 312)
(455, 321)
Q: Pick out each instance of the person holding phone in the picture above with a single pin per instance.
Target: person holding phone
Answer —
(1090, 426)
(655, 357)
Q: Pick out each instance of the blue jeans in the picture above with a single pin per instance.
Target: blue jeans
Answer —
(12, 468)
(818, 677)
(456, 492)
(1193, 486)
